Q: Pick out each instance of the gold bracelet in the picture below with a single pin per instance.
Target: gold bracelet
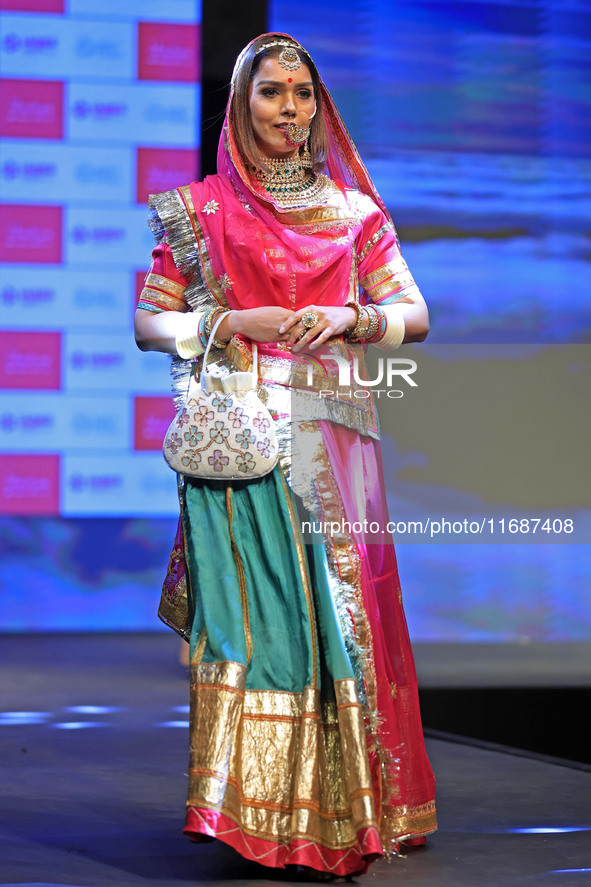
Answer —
(210, 320)
(355, 333)
(350, 331)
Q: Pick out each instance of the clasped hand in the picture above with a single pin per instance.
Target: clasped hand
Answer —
(276, 324)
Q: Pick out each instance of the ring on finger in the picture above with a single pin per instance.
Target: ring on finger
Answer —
(309, 319)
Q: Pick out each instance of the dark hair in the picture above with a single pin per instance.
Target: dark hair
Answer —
(240, 109)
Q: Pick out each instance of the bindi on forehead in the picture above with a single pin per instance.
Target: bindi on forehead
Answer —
(280, 82)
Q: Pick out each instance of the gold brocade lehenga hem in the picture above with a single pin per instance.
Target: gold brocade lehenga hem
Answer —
(284, 777)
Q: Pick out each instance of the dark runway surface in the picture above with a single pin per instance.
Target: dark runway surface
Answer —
(93, 754)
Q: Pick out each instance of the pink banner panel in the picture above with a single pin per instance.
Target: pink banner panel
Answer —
(32, 109)
(29, 484)
(161, 169)
(30, 234)
(152, 416)
(168, 52)
(33, 5)
(30, 360)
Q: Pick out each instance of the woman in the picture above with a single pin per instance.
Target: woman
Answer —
(306, 742)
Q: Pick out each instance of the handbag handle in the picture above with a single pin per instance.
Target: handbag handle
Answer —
(255, 351)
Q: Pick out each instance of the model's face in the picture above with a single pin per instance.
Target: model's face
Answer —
(277, 97)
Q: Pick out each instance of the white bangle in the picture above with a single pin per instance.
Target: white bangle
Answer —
(187, 339)
(395, 328)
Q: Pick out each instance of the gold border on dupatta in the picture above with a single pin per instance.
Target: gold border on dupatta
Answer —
(400, 822)
(176, 600)
(317, 487)
(204, 261)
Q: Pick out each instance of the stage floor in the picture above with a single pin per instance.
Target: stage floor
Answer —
(94, 755)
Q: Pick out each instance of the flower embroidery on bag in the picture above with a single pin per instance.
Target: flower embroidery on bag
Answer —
(261, 422)
(205, 416)
(222, 403)
(264, 448)
(218, 460)
(219, 433)
(193, 436)
(174, 443)
(191, 460)
(245, 462)
(211, 207)
(182, 418)
(238, 417)
(245, 438)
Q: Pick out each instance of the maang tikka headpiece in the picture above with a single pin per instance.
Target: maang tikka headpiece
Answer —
(289, 58)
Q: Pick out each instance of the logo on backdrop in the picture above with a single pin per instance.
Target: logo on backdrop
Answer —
(82, 235)
(32, 109)
(168, 52)
(29, 484)
(30, 172)
(96, 360)
(32, 44)
(152, 416)
(162, 169)
(26, 296)
(12, 422)
(82, 109)
(30, 360)
(30, 234)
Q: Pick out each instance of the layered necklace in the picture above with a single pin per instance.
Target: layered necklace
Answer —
(291, 181)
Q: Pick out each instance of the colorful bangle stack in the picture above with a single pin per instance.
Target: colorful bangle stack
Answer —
(370, 332)
(379, 326)
(209, 322)
(373, 326)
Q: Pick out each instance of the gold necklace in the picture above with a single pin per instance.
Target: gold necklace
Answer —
(289, 181)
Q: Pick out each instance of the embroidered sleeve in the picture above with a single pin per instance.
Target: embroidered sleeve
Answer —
(383, 273)
(164, 288)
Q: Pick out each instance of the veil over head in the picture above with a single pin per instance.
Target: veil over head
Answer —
(343, 163)
(256, 252)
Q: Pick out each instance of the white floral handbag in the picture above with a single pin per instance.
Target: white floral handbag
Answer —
(223, 430)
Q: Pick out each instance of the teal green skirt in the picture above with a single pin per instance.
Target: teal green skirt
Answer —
(257, 594)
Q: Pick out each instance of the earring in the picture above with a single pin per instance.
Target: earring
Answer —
(305, 156)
